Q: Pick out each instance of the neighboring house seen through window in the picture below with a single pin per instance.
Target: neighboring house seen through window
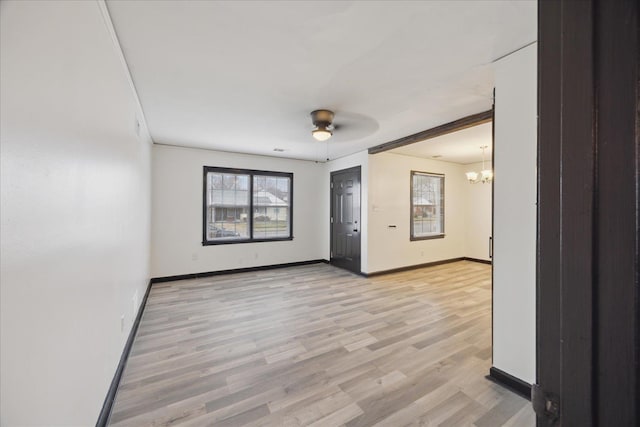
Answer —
(427, 205)
(246, 206)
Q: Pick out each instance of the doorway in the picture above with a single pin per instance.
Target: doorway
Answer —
(345, 219)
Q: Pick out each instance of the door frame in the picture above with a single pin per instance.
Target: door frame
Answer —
(331, 175)
(588, 279)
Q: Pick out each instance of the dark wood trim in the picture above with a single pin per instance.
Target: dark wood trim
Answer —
(233, 271)
(548, 259)
(510, 382)
(588, 274)
(204, 205)
(454, 126)
(481, 261)
(412, 267)
(251, 173)
(566, 176)
(349, 169)
(577, 273)
(246, 171)
(417, 239)
(233, 242)
(493, 166)
(616, 298)
(491, 242)
(107, 405)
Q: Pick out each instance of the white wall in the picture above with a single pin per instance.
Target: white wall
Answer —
(514, 256)
(358, 159)
(177, 213)
(75, 203)
(478, 217)
(389, 204)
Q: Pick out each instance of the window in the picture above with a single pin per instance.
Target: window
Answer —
(246, 206)
(427, 205)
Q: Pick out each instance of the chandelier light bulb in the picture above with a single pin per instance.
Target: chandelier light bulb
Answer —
(487, 175)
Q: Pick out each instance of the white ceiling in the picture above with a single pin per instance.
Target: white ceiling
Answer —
(244, 76)
(458, 147)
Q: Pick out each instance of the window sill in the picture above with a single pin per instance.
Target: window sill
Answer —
(233, 242)
(437, 236)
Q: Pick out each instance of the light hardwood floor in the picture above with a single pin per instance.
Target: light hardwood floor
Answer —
(318, 346)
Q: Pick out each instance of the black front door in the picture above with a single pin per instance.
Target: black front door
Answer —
(345, 219)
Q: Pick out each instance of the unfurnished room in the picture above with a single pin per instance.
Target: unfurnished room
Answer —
(319, 213)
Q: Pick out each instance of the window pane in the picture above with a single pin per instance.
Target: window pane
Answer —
(242, 205)
(427, 205)
(227, 206)
(271, 206)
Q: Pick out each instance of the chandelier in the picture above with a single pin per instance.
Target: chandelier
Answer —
(485, 175)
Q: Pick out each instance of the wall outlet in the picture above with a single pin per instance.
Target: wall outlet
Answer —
(122, 323)
(194, 256)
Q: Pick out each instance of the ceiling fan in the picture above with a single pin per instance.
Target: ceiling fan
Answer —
(323, 124)
(351, 126)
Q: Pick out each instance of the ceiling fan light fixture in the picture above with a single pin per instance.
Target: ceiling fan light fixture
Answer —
(321, 133)
(322, 121)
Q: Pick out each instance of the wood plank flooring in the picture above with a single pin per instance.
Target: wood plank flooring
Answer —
(318, 346)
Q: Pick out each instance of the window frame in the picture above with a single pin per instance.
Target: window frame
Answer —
(441, 235)
(250, 215)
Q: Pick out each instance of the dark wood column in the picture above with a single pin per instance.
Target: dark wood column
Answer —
(588, 224)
